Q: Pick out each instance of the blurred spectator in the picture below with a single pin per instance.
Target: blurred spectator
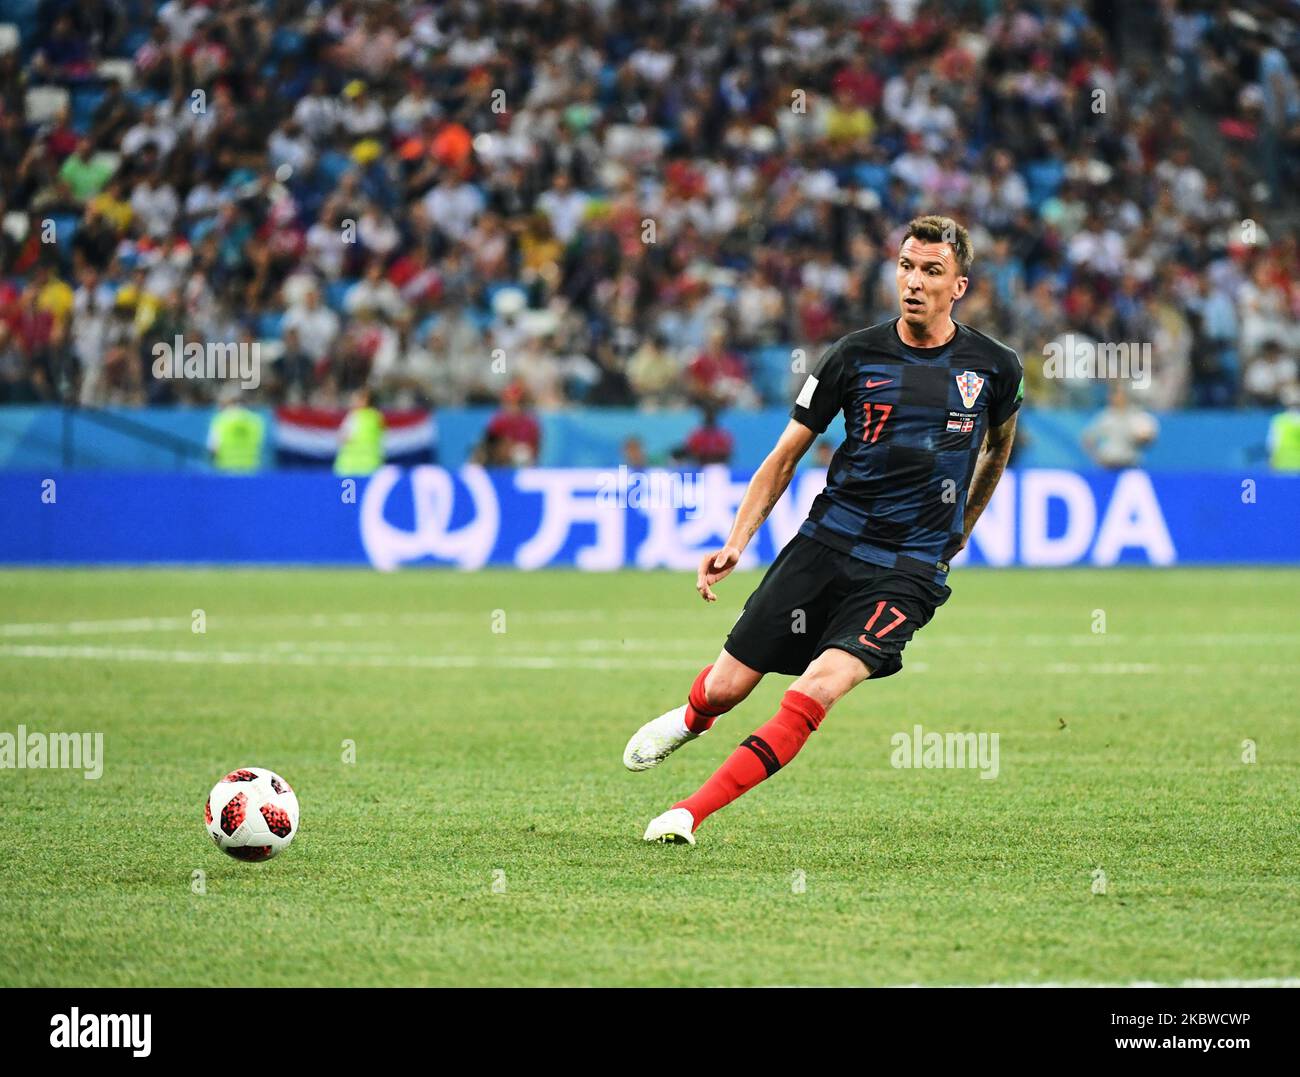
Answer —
(634, 455)
(374, 294)
(653, 372)
(154, 204)
(1284, 434)
(708, 443)
(513, 437)
(563, 206)
(1117, 435)
(66, 54)
(1269, 375)
(1215, 359)
(612, 387)
(15, 381)
(716, 377)
(85, 172)
(361, 437)
(315, 327)
(235, 436)
(295, 370)
(92, 306)
(405, 372)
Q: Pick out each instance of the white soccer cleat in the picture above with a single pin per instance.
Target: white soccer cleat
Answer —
(676, 825)
(657, 740)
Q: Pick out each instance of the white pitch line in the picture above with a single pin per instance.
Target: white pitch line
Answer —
(322, 654)
(936, 639)
(685, 615)
(340, 646)
(1121, 669)
(328, 620)
(74, 628)
(290, 658)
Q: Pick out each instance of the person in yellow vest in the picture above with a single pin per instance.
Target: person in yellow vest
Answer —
(235, 437)
(361, 438)
(1284, 434)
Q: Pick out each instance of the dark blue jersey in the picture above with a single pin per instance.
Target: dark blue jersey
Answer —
(915, 419)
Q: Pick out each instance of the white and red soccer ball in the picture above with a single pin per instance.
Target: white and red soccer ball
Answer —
(252, 814)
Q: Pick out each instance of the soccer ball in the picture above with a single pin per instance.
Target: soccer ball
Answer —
(252, 814)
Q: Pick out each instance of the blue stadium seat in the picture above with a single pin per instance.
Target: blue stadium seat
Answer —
(770, 371)
(336, 291)
(133, 39)
(333, 164)
(1044, 179)
(491, 290)
(270, 325)
(85, 99)
(874, 176)
(25, 22)
(287, 42)
(25, 13)
(144, 98)
(65, 230)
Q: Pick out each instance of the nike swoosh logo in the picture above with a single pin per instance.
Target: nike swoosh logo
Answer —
(871, 384)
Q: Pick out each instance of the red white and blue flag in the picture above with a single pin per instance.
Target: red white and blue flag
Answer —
(960, 424)
(309, 437)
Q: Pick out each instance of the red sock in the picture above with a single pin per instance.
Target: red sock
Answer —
(759, 756)
(700, 715)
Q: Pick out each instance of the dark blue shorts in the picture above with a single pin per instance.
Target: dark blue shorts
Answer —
(813, 598)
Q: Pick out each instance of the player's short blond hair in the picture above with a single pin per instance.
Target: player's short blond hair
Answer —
(936, 229)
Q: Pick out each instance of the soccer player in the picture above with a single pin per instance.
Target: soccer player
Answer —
(929, 409)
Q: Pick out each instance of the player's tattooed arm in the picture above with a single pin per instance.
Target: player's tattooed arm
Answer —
(765, 489)
(767, 509)
(989, 465)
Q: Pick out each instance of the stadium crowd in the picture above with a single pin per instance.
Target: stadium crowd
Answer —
(629, 203)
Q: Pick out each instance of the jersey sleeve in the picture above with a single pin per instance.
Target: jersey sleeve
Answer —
(1009, 390)
(822, 395)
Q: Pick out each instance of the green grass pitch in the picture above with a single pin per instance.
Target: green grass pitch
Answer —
(487, 834)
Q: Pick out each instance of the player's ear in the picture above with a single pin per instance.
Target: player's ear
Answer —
(959, 289)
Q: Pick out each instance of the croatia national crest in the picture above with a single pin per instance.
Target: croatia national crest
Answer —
(969, 385)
